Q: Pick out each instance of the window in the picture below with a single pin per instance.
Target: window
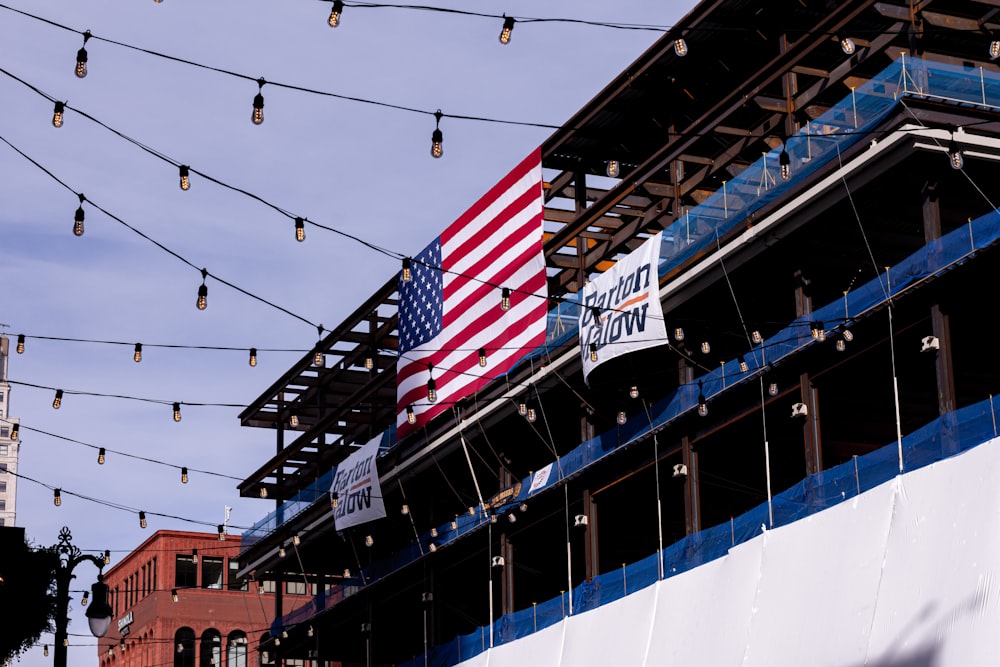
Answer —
(236, 649)
(235, 583)
(5, 432)
(184, 651)
(3, 448)
(211, 572)
(267, 585)
(3, 505)
(211, 648)
(1, 521)
(3, 486)
(186, 572)
(295, 587)
(3, 468)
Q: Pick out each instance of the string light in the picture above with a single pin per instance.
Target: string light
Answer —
(83, 601)
(531, 415)
(994, 48)
(177, 412)
(174, 597)
(81, 57)
(522, 407)
(296, 540)
(847, 335)
(437, 137)
(20, 344)
(679, 334)
(300, 230)
(184, 475)
(137, 355)
(369, 360)
(253, 357)
(482, 357)
(622, 418)
(705, 347)
(202, 301)
(817, 331)
(407, 274)
(309, 631)
(258, 104)
(508, 28)
(411, 417)
(702, 403)
(45, 650)
(772, 389)
(431, 390)
(222, 532)
(744, 367)
(319, 359)
(338, 9)
(847, 44)
(613, 169)
(185, 173)
(334, 499)
(955, 154)
(293, 420)
(107, 556)
(57, 115)
(14, 431)
(56, 497)
(785, 163)
(101, 456)
(57, 401)
(505, 298)
(194, 556)
(633, 391)
(142, 520)
(281, 551)
(78, 218)
(263, 492)
(593, 351)
(756, 337)
(680, 47)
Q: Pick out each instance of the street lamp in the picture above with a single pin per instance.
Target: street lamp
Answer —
(98, 612)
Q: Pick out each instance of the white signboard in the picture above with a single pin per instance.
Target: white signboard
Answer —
(621, 310)
(355, 493)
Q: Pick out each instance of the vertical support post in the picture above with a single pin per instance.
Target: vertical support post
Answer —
(507, 576)
(812, 442)
(590, 550)
(580, 200)
(940, 323)
(692, 485)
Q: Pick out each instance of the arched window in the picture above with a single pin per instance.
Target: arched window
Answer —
(236, 649)
(184, 647)
(211, 649)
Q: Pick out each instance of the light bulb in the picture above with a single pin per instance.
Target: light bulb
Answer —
(848, 336)
(222, 532)
(83, 601)
(81, 63)
(56, 498)
(309, 631)
(300, 230)
(785, 162)
(411, 417)
(184, 475)
(847, 45)
(613, 168)
(57, 115)
(293, 421)
(100, 456)
(295, 540)
(454, 523)
(338, 8)
(522, 407)
(437, 143)
(772, 389)
(702, 407)
(45, 650)
(173, 596)
(678, 334)
(253, 357)
(57, 401)
(431, 391)
(482, 357)
(680, 47)
(369, 541)
(20, 344)
(194, 556)
(633, 391)
(508, 27)
(78, 222)
(202, 301)
(369, 361)
(407, 274)
(142, 520)
(15, 429)
(107, 556)
(281, 551)
(841, 345)
(404, 510)
(593, 351)
(705, 347)
(505, 298)
(185, 172)
(756, 337)
(622, 417)
(263, 492)
(995, 49)
(180, 647)
(334, 499)
(531, 415)
(744, 366)
(177, 412)
(137, 355)
(955, 155)
(434, 532)
(258, 109)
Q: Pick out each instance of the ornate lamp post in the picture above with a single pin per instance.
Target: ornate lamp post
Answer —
(98, 613)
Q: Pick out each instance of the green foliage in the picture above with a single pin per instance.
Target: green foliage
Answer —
(27, 595)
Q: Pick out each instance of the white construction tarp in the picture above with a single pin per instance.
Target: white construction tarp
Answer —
(904, 575)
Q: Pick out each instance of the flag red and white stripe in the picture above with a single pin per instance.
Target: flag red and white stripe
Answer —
(447, 314)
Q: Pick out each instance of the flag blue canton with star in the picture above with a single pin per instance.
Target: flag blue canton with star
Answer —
(421, 299)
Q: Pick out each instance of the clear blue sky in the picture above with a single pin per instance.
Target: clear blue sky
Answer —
(359, 168)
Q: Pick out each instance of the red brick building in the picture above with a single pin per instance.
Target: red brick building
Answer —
(177, 601)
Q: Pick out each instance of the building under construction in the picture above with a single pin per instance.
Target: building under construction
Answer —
(821, 179)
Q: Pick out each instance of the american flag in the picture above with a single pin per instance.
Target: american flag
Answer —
(451, 308)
